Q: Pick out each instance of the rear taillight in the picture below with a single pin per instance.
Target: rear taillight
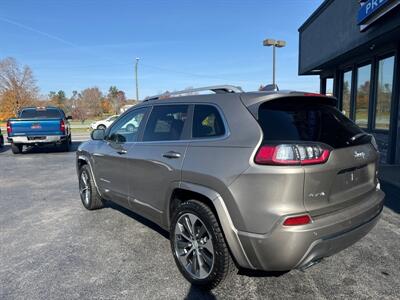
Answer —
(297, 220)
(292, 154)
(62, 126)
(9, 128)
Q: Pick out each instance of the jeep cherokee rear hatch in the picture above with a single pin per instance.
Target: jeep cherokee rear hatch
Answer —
(338, 158)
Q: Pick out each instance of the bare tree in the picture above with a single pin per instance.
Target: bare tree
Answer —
(17, 86)
(116, 98)
(91, 101)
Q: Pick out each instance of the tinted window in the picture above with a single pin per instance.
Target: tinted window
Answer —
(166, 123)
(384, 92)
(362, 99)
(41, 113)
(302, 120)
(126, 128)
(207, 122)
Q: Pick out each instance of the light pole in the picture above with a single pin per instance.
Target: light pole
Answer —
(136, 76)
(273, 43)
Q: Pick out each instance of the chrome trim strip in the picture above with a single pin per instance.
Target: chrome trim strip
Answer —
(147, 205)
(192, 140)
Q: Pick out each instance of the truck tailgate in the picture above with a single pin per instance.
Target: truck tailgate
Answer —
(35, 127)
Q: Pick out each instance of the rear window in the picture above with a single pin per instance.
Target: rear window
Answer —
(40, 113)
(302, 120)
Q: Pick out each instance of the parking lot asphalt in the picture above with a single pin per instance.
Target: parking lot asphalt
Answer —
(53, 248)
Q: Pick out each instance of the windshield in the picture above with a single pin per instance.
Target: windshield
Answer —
(36, 113)
(303, 121)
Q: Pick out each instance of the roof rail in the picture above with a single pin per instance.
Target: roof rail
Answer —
(217, 89)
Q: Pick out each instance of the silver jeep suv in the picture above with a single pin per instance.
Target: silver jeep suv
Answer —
(260, 180)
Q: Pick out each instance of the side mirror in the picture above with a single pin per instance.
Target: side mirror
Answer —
(98, 134)
(69, 118)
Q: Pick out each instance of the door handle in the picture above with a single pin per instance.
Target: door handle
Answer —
(122, 151)
(172, 154)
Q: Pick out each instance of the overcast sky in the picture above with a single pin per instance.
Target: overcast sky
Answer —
(74, 44)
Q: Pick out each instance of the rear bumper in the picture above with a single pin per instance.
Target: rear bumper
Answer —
(50, 139)
(286, 248)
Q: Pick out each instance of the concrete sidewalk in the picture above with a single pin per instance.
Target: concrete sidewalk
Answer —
(81, 137)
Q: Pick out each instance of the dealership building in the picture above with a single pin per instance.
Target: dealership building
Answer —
(354, 47)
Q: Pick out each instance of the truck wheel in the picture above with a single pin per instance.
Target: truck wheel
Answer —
(198, 246)
(87, 189)
(65, 146)
(101, 126)
(16, 148)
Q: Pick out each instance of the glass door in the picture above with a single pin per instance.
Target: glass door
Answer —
(362, 96)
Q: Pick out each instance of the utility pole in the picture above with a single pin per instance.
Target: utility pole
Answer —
(136, 76)
(274, 44)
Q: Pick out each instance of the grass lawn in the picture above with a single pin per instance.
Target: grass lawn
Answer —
(81, 130)
(78, 122)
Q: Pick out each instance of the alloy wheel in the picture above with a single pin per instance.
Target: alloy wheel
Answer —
(84, 188)
(194, 246)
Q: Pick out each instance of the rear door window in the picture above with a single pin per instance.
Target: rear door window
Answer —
(305, 120)
(166, 123)
(207, 122)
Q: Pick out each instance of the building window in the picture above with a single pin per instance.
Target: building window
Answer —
(329, 87)
(384, 93)
(362, 99)
(346, 93)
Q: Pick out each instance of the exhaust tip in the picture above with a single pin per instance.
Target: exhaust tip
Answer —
(310, 264)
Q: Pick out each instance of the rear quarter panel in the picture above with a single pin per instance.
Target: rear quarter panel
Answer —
(216, 162)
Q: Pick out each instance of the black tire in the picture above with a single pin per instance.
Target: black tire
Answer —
(16, 148)
(101, 126)
(65, 145)
(70, 139)
(94, 201)
(223, 267)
